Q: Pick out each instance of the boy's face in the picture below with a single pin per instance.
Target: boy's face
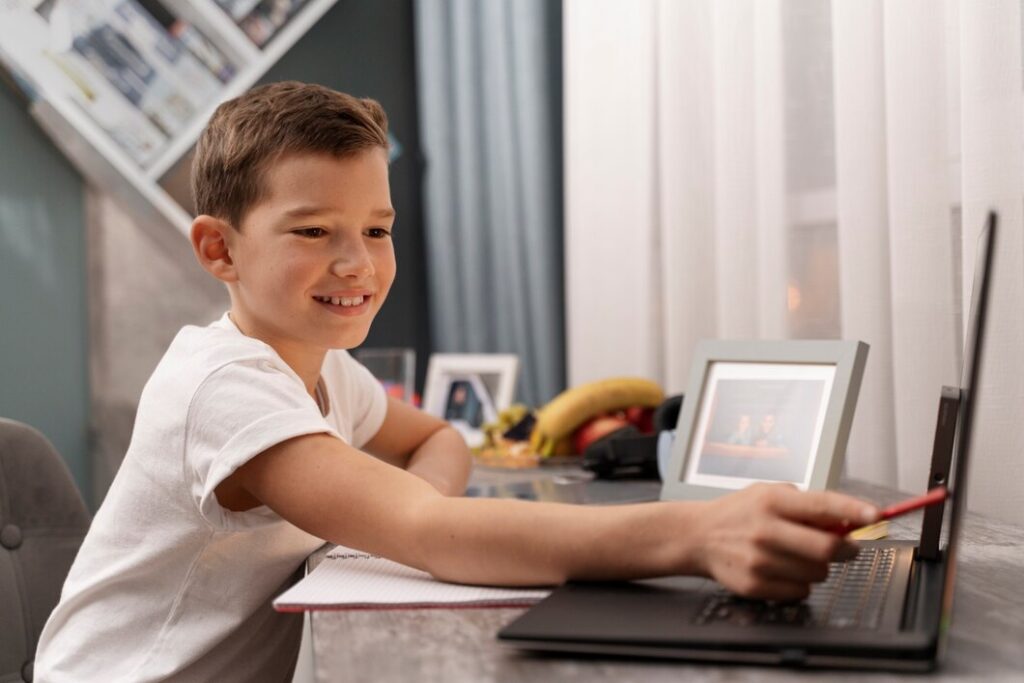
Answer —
(314, 260)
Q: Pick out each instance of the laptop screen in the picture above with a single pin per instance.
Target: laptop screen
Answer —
(973, 344)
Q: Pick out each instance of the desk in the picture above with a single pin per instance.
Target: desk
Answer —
(986, 643)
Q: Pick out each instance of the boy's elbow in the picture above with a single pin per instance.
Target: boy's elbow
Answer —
(452, 463)
(463, 465)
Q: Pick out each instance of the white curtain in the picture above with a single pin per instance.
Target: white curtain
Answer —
(784, 169)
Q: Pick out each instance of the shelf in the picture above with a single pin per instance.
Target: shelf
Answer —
(81, 140)
(143, 160)
(242, 81)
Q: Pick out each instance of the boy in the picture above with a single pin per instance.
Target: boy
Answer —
(258, 436)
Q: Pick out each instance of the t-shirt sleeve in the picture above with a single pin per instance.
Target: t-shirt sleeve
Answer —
(367, 400)
(239, 411)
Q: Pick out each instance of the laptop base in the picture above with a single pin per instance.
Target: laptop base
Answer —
(794, 658)
(665, 619)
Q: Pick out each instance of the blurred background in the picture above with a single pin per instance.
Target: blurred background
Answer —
(591, 185)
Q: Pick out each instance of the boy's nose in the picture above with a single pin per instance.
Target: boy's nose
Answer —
(353, 263)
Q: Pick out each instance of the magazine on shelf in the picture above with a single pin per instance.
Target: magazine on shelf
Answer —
(124, 124)
(49, 68)
(237, 9)
(167, 54)
(203, 49)
(116, 58)
(192, 39)
(261, 19)
(138, 56)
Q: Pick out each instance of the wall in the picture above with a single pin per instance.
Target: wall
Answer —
(144, 283)
(43, 337)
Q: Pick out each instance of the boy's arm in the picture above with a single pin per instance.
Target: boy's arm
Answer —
(424, 445)
(758, 542)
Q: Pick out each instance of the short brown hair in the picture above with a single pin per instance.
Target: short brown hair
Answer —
(246, 134)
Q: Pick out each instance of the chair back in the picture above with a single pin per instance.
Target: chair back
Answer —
(42, 523)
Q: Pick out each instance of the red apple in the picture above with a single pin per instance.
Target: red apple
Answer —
(594, 429)
(642, 418)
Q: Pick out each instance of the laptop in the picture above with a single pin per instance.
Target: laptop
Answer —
(887, 609)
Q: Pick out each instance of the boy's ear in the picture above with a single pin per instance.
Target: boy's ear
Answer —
(211, 242)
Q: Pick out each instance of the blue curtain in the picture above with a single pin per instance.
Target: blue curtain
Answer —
(490, 117)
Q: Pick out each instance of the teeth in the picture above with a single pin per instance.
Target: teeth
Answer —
(341, 300)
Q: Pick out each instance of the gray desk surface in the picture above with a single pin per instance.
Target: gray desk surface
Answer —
(986, 642)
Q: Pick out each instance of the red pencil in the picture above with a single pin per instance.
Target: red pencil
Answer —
(936, 495)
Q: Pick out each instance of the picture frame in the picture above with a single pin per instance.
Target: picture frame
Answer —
(469, 390)
(774, 411)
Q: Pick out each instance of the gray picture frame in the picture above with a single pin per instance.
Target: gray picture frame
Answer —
(847, 357)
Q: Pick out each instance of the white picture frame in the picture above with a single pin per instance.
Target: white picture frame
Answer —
(470, 389)
(773, 411)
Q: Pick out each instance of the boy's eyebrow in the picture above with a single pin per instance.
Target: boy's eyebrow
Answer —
(302, 211)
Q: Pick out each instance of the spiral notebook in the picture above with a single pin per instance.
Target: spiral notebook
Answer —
(351, 579)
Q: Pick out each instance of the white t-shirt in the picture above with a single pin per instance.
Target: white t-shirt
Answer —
(169, 585)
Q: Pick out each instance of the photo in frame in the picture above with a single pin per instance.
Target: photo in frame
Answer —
(765, 411)
(469, 390)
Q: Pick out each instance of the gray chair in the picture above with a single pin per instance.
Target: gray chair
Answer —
(42, 523)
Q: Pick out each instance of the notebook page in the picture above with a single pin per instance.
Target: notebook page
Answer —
(351, 579)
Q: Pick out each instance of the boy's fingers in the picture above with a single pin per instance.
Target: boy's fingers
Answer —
(775, 589)
(787, 567)
(823, 508)
(802, 541)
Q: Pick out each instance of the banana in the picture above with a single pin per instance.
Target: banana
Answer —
(558, 419)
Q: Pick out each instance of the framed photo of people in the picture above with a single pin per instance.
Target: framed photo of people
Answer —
(469, 390)
(765, 411)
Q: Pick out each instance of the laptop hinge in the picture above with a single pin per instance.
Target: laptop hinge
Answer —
(938, 475)
(923, 588)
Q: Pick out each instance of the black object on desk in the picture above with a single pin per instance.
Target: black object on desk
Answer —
(628, 454)
(624, 453)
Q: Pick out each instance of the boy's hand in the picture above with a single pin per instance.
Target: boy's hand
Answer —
(768, 540)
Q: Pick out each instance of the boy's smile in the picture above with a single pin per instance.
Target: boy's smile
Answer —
(313, 260)
(346, 304)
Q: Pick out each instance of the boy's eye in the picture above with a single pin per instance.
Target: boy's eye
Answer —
(310, 232)
(378, 233)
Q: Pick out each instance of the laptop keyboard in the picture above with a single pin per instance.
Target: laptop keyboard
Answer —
(851, 597)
